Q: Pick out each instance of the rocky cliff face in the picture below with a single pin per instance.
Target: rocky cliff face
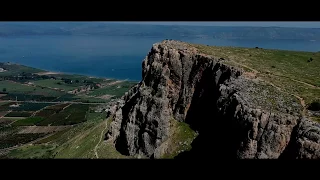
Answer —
(234, 115)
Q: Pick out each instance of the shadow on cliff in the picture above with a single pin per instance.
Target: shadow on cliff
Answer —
(216, 137)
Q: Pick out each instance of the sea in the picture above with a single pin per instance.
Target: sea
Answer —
(118, 57)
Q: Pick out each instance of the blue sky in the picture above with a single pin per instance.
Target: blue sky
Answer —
(303, 24)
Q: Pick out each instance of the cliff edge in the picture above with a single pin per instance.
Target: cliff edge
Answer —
(193, 105)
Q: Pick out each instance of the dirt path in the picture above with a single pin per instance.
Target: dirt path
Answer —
(13, 122)
(298, 81)
(112, 83)
(5, 114)
(302, 102)
(295, 80)
(254, 70)
(101, 137)
(34, 113)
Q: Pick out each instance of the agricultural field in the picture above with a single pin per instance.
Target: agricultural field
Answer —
(30, 106)
(53, 83)
(18, 114)
(30, 121)
(6, 121)
(115, 91)
(18, 139)
(52, 111)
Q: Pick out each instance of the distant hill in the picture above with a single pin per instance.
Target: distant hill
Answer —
(164, 31)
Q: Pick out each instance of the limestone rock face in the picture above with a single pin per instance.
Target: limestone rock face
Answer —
(233, 114)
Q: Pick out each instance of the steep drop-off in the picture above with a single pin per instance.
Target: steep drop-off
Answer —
(234, 115)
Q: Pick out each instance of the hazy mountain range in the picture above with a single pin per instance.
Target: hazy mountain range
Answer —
(165, 31)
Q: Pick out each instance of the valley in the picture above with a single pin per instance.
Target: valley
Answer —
(41, 111)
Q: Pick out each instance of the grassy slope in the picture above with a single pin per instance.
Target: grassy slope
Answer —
(77, 142)
(288, 70)
(180, 139)
(280, 67)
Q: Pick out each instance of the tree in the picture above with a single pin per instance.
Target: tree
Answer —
(4, 89)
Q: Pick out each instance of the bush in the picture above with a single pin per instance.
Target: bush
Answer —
(314, 106)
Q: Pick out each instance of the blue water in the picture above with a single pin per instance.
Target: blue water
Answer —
(106, 56)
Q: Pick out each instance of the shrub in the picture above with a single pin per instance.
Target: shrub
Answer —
(314, 106)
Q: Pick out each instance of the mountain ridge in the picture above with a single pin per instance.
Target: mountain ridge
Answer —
(166, 31)
(233, 113)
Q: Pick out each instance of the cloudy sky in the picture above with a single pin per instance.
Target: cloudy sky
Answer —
(305, 24)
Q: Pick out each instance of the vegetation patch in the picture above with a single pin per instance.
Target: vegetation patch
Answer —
(53, 137)
(30, 106)
(315, 105)
(17, 139)
(32, 152)
(28, 97)
(18, 114)
(74, 114)
(5, 121)
(28, 121)
(180, 139)
(67, 97)
(116, 90)
(106, 150)
(53, 83)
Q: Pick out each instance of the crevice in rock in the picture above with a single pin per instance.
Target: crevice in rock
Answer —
(121, 141)
(203, 116)
(291, 150)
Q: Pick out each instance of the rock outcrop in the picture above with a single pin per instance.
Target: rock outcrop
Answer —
(235, 116)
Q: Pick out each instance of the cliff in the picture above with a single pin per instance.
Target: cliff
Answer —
(191, 104)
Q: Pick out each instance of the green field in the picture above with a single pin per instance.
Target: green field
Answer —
(30, 106)
(54, 84)
(87, 99)
(18, 114)
(30, 121)
(116, 90)
(16, 87)
(50, 110)
(80, 141)
(76, 113)
(17, 139)
(88, 125)
(32, 152)
(79, 77)
(24, 90)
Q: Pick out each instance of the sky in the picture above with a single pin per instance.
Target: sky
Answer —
(301, 24)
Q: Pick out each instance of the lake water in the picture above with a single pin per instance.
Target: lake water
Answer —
(109, 56)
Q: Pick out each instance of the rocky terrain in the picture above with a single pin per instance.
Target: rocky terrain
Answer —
(231, 113)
